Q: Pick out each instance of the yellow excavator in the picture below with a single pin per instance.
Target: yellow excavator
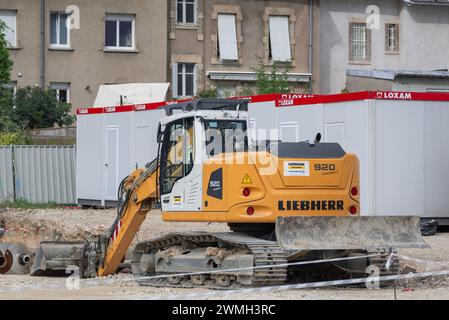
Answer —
(283, 202)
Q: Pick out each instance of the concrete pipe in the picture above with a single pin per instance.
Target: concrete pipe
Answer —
(17, 259)
(6, 258)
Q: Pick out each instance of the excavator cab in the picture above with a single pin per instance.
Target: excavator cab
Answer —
(187, 139)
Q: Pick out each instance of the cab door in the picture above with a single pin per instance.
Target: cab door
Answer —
(180, 176)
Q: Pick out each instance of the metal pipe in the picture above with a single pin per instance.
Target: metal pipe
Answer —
(6, 260)
(42, 75)
(311, 45)
(24, 259)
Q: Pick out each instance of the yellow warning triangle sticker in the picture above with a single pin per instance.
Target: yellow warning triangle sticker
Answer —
(247, 179)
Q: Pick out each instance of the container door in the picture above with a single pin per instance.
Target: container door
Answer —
(289, 131)
(143, 146)
(111, 162)
(335, 132)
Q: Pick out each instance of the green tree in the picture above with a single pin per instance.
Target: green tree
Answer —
(208, 93)
(5, 61)
(7, 123)
(38, 108)
(273, 80)
(6, 96)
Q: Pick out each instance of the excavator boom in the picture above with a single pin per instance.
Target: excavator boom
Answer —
(108, 251)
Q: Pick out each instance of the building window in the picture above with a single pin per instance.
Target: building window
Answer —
(120, 32)
(186, 12)
(392, 38)
(62, 91)
(9, 19)
(59, 33)
(227, 37)
(184, 78)
(359, 42)
(279, 42)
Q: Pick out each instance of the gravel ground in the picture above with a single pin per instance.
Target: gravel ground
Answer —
(75, 224)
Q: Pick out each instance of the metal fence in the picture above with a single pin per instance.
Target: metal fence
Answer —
(38, 174)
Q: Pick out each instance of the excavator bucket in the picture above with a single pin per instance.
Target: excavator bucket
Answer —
(349, 233)
(53, 258)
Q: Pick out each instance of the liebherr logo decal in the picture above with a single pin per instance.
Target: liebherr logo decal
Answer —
(311, 205)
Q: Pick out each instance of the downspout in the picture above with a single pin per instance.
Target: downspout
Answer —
(310, 44)
(168, 73)
(42, 75)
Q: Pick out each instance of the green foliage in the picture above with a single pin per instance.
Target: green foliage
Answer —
(38, 108)
(5, 61)
(274, 80)
(7, 123)
(32, 107)
(308, 88)
(6, 96)
(245, 91)
(14, 138)
(24, 204)
(208, 93)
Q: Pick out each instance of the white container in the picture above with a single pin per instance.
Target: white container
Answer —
(400, 139)
(111, 143)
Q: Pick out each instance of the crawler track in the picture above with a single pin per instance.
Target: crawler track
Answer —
(265, 253)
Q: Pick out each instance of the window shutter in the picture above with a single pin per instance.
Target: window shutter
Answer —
(387, 37)
(9, 18)
(368, 45)
(280, 38)
(195, 70)
(174, 80)
(350, 36)
(227, 37)
(397, 38)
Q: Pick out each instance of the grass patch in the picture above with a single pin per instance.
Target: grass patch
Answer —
(25, 204)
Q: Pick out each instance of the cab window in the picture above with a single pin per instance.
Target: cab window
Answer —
(177, 153)
(225, 136)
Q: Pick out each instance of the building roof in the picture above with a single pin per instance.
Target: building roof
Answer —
(386, 74)
(427, 2)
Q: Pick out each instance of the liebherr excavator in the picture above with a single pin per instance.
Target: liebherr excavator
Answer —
(284, 202)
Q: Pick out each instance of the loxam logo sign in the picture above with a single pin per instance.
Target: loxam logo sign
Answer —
(394, 95)
(296, 96)
(140, 107)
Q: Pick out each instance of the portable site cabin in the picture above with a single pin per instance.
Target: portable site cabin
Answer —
(399, 137)
(111, 143)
